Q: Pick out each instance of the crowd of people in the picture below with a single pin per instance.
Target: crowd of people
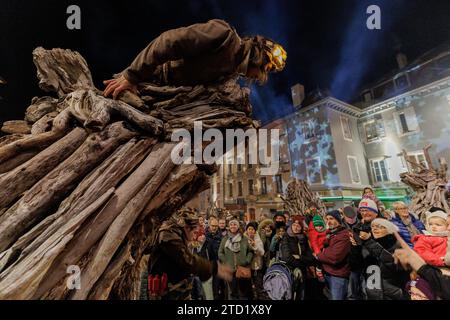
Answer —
(360, 252)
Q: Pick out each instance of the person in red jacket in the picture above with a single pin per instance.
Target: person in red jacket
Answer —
(317, 234)
(434, 246)
(334, 256)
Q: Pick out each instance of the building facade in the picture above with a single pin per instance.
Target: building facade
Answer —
(340, 148)
(241, 188)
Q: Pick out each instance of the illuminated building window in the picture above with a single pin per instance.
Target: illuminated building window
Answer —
(250, 187)
(354, 171)
(374, 129)
(416, 157)
(263, 186)
(279, 183)
(346, 128)
(379, 170)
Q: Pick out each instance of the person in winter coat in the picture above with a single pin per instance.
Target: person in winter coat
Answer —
(235, 251)
(410, 260)
(275, 243)
(368, 193)
(203, 248)
(295, 252)
(381, 247)
(317, 234)
(434, 247)
(171, 255)
(214, 237)
(265, 232)
(360, 259)
(407, 224)
(199, 54)
(257, 264)
(334, 257)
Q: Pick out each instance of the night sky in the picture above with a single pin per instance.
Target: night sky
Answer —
(327, 42)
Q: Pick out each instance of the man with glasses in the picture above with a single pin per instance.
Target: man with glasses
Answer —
(407, 223)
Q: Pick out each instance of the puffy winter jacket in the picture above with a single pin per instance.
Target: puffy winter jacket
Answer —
(403, 230)
(334, 257)
(432, 249)
(316, 239)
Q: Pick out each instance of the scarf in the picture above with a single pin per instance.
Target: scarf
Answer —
(410, 226)
(387, 242)
(233, 242)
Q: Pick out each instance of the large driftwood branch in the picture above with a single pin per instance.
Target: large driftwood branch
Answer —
(82, 189)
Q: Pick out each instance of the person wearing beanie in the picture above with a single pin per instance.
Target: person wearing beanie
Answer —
(408, 225)
(257, 264)
(295, 252)
(420, 289)
(279, 219)
(434, 247)
(317, 233)
(368, 193)
(359, 257)
(334, 256)
(381, 247)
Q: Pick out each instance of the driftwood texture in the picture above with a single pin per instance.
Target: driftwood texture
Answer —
(85, 180)
(299, 197)
(429, 184)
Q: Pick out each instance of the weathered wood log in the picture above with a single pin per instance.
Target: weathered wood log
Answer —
(13, 163)
(40, 107)
(16, 127)
(106, 176)
(43, 195)
(104, 285)
(62, 71)
(123, 223)
(29, 142)
(98, 226)
(15, 182)
(152, 90)
(108, 243)
(95, 112)
(44, 124)
(22, 283)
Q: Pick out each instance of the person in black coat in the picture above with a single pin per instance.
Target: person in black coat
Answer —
(214, 237)
(390, 283)
(296, 253)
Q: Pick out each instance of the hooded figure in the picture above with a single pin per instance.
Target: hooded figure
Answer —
(200, 54)
(171, 255)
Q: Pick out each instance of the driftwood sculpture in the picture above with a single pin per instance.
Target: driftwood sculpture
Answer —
(299, 198)
(429, 184)
(84, 180)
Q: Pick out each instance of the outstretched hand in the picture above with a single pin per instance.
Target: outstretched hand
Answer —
(407, 257)
(117, 86)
